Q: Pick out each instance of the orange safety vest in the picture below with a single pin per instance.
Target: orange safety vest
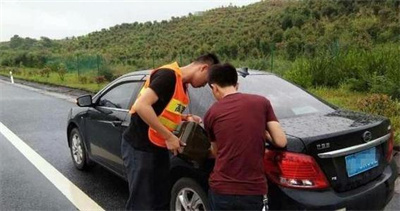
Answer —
(171, 116)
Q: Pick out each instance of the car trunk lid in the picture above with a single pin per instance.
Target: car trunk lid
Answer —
(339, 141)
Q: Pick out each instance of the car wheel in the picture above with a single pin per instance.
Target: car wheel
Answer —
(187, 194)
(77, 149)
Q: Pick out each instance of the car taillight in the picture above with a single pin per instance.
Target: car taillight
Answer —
(293, 170)
(389, 153)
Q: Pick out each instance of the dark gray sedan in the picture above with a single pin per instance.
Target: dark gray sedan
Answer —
(335, 159)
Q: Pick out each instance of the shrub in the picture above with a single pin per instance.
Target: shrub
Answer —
(375, 70)
(259, 64)
(100, 79)
(83, 79)
(379, 104)
(15, 71)
(45, 72)
(115, 77)
(384, 105)
(300, 73)
(106, 72)
(353, 84)
(380, 84)
(54, 66)
(61, 72)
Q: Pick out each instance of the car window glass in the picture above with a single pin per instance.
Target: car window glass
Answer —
(200, 100)
(138, 87)
(287, 99)
(119, 96)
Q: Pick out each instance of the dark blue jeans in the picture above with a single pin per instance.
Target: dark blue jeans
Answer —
(148, 178)
(235, 202)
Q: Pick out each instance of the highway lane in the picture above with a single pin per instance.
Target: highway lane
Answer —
(23, 187)
(40, 120)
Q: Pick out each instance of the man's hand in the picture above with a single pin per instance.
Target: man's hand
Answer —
(276, 133)
(268, 136)
(174, 144)
(213, 150)
(194, 118)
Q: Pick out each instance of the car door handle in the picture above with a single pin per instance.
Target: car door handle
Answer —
(116, 123)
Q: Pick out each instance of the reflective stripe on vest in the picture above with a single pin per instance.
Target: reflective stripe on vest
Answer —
(170, 117)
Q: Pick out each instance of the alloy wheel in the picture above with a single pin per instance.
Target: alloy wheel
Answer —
(77, 151)
(188, 200)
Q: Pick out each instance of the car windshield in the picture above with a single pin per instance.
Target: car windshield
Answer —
(287, 99)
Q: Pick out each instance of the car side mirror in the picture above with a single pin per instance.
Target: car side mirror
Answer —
(84, 101)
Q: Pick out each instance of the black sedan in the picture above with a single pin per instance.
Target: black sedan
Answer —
(335, 159)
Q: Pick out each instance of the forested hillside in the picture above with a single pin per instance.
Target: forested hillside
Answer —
(291, 28)
(327, 42)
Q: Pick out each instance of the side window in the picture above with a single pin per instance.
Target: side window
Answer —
(120, 96)
(138, 87)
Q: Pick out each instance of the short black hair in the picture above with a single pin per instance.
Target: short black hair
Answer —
(208, 58)
(223, 75)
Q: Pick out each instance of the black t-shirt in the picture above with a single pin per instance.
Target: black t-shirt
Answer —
(162, 82)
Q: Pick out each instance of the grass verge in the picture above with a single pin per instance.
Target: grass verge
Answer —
(364, 102)
(70, 80)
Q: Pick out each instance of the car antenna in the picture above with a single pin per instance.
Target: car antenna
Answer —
(244, 71)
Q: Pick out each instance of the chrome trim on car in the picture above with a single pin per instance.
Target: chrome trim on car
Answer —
(115, 109)
(354, 149)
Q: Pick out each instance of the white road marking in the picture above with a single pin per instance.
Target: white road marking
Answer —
(73, 193)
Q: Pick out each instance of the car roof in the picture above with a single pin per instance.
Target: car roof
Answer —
(240, 71)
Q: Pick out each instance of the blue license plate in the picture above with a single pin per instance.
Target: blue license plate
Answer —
(360, 162)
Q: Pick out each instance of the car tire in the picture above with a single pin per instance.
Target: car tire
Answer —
(187, 194)
(78, 150)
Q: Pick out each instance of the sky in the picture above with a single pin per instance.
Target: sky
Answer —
(57, 19)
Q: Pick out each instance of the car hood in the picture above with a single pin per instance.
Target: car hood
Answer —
(321, 126)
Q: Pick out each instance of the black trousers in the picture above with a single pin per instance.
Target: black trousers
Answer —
(148, 178)
(234, 202)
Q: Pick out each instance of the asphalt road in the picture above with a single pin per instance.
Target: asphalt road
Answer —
(39, 118)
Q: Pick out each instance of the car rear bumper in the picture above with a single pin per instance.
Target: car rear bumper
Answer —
(372, 196)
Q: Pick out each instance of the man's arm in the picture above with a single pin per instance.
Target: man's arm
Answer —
(192, 118)
(213, 150)
(276, 134)
(143, 107)
(210, 133)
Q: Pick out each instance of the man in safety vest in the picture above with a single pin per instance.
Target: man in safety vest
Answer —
(156, 113)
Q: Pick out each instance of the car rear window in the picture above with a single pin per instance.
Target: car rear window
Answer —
(287, 99)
